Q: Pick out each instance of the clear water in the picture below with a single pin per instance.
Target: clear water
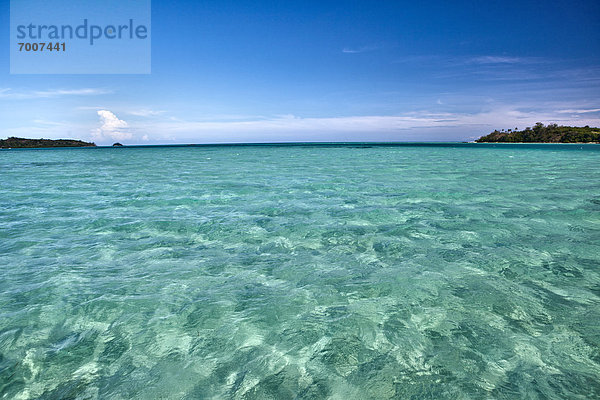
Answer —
(462, 272)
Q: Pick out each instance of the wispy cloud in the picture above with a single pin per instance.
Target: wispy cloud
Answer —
(581, 111)
(497, 60)
(144, 112)
(41, 128)
(8, 93)
(414, 125)
(396, 127)
(48, 123)
(486, 60)
(363, 49)
(139, 112)
(71, 92)
(525, 71)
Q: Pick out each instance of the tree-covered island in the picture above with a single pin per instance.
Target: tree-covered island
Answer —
(21, 143)
(544, 134)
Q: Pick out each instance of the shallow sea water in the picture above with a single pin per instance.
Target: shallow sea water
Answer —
(270, 272)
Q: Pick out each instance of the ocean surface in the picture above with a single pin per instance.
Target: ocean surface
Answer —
(309, 272)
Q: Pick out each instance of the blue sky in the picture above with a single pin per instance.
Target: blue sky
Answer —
(262, 71)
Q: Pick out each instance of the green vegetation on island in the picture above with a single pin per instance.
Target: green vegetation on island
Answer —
(545, 134)
(21, 143)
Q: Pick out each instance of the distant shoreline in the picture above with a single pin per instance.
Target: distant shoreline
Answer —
(23, 143)
(309, 144)
(508, 143)
(541, 133)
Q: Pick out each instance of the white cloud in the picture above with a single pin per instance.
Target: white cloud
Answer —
(48, 129)
(145, 112)
(583, 111)
(111, 127)
(362, 49)
(497, 60)
(483, 60)
(416, 126)
(8, 93)
(422, 125)
(71, 92)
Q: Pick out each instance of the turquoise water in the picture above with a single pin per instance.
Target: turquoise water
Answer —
(260, 272)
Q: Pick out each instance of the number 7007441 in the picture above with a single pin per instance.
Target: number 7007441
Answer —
(42, 46)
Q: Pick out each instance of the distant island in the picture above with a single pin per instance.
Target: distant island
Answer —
(21, 143)
(544, 134)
